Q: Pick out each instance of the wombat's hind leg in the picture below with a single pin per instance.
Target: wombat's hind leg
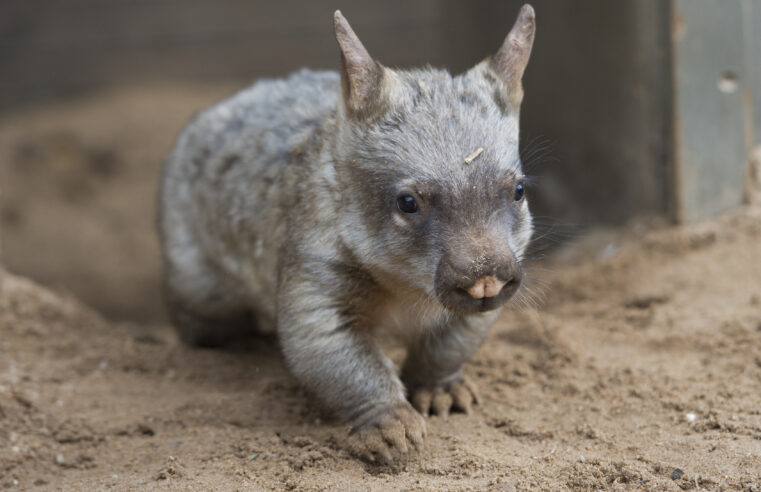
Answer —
(203, 330)
(207, 321)
(205, 306)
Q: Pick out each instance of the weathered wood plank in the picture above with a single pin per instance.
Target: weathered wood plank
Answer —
(630, 133)
(710, 134)
(752, 32)
(49, 47)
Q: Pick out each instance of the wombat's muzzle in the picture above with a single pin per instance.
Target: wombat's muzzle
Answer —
(471, 283)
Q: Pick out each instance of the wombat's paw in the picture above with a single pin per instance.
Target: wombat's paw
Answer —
(459, 394)
(389, 435)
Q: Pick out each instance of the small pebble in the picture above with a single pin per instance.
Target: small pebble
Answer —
(582, 459)
(691, 417)
(677, 474)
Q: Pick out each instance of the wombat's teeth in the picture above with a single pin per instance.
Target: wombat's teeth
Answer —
(486, 287)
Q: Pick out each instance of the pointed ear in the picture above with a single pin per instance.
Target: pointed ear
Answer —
(361, 76)
(510, 61)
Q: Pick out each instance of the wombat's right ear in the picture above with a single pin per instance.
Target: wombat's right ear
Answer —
(361, 76)
(510, 61)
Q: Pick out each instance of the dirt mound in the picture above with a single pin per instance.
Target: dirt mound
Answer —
(79, 184)
(640, 371)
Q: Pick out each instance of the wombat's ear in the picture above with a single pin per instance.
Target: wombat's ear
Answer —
(510, 61)
(361, 76)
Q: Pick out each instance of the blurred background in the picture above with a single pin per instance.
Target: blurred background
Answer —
(634, 110)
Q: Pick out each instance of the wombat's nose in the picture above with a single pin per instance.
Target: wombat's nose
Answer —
(486, 287)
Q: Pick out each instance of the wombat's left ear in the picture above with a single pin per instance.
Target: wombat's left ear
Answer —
(510, 61)
(361, 76)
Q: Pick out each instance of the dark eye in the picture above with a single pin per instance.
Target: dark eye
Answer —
(406, 204)
(519, 192)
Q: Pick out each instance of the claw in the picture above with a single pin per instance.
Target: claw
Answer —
(386, 437)
(416, 437)
(442, 402)
(394, 435)
(442, 399)
(462, 398)
(473, 391)
(421, 400)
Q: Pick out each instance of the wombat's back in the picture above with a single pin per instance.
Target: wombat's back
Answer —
(257, 125)
(218, 212)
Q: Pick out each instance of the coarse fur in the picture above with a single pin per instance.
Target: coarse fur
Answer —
(278, 212)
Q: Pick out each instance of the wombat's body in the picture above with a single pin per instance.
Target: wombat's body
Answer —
(231, 188)
(329, 208)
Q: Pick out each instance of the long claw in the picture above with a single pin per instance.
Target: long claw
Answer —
(442, 402)
(386, 436)
(462, 398)
(473, 391)
(421, 400)
(442, 399)
(394, 434)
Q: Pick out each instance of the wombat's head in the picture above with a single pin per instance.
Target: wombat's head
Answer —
(432, 191)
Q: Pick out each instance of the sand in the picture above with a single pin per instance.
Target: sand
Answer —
(638, 368)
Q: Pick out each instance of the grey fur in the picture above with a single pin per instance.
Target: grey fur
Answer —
(277, 209)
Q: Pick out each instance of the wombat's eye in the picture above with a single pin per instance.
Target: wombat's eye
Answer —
(519, 192)
(406, 204)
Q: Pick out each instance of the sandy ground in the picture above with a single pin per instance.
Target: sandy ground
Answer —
(640, 369)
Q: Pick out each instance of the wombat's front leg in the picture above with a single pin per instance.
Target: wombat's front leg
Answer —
(433, 369)
(339, 362)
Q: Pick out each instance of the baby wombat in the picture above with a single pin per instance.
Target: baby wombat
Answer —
(332, 208)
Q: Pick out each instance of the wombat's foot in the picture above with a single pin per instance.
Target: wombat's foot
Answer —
(457, 394)
(387, 436)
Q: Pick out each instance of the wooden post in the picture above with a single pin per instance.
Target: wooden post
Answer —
(713, 105)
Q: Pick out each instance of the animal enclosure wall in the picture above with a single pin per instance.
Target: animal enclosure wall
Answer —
(615, 91)
(588, 86)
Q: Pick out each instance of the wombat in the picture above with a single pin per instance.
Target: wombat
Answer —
(334, 208)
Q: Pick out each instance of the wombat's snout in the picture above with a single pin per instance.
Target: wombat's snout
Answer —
(476, 283)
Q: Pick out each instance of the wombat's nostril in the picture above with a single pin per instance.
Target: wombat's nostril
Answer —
(486, 287)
